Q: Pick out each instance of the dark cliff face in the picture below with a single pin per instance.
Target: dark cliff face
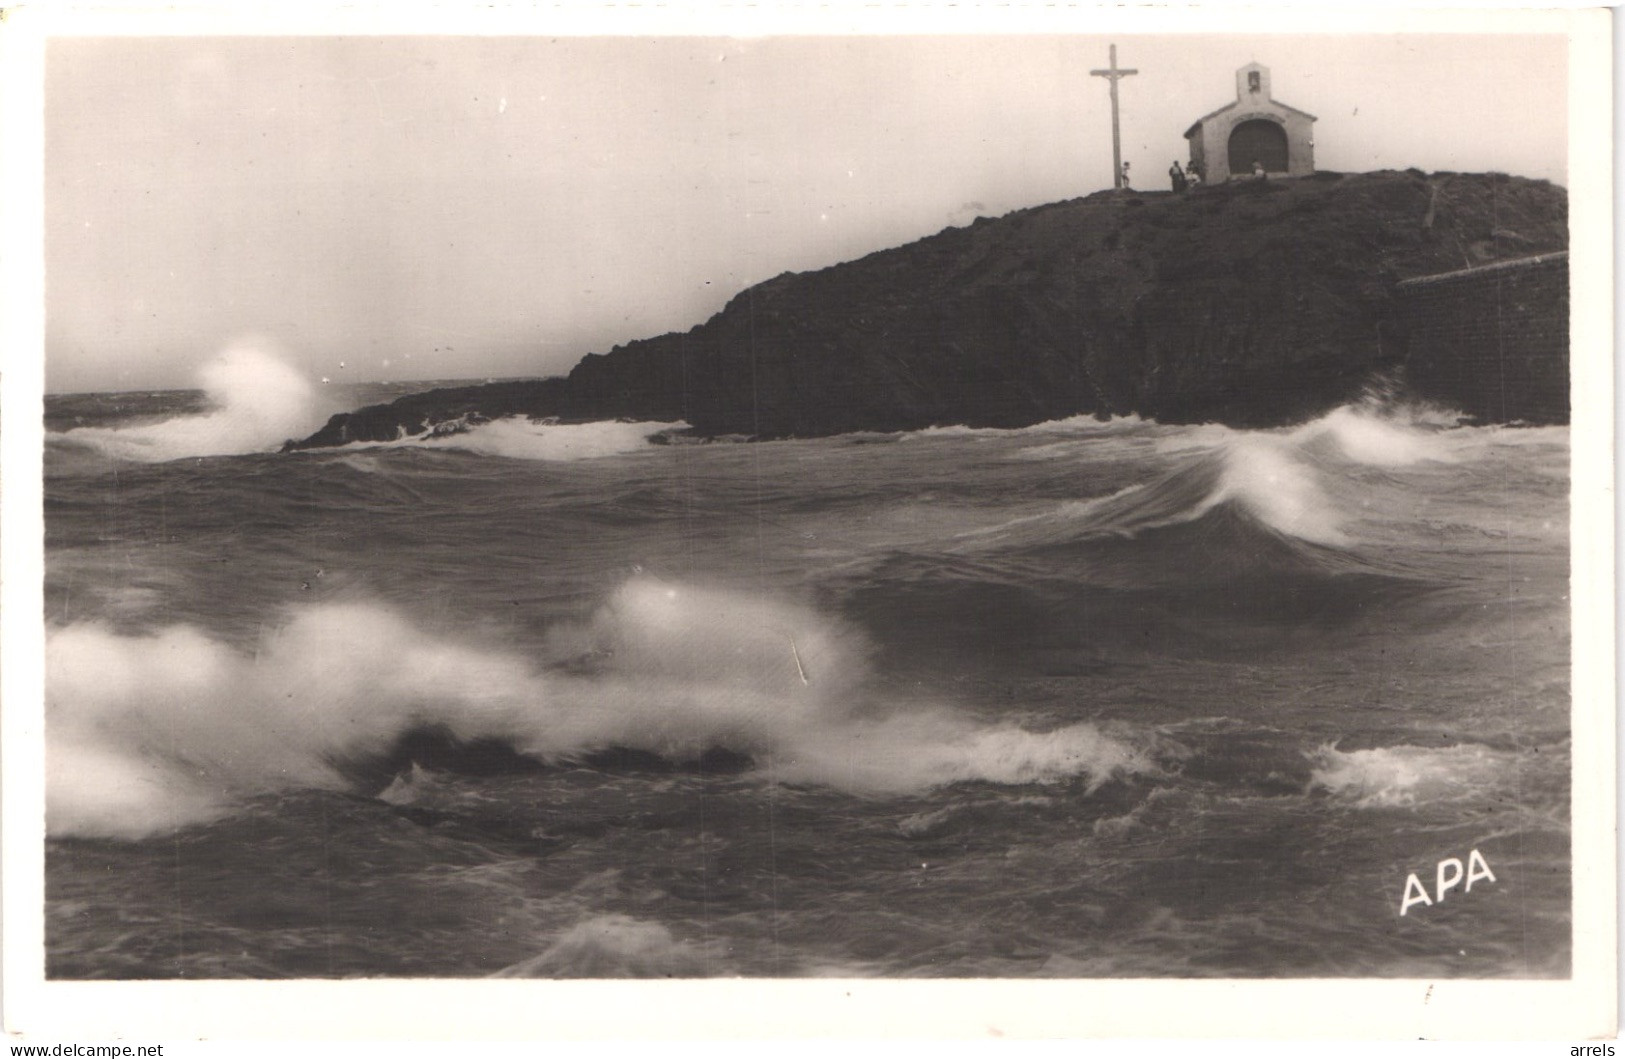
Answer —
(1246, 304)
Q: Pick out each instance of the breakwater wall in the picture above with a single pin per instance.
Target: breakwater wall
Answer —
(1492, 340)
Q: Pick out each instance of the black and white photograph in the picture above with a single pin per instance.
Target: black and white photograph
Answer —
(1102, 501)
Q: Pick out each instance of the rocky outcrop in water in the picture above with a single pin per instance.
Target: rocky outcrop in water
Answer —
(1246, 304)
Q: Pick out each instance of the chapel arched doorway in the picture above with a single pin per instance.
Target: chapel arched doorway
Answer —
(1257, 140)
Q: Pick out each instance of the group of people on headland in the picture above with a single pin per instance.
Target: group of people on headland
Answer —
(1187, 178)
(1190, 177)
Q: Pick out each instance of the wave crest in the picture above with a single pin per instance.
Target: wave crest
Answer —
(1369, 437)
(1259, 474)
(1286, 481)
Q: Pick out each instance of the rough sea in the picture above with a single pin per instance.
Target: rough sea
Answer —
(1087, 699)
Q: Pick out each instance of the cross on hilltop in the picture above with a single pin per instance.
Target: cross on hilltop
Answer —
(1114, 75)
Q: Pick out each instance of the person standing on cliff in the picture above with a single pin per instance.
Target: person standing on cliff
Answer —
(1177, 175)
(1126, 185)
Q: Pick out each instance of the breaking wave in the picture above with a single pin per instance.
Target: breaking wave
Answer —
(1287, 482)
(1386, 777)
(1078, 424)
(256, 402)
(1257, 474)
(520, 438)
(1367, 436)
(152, 732)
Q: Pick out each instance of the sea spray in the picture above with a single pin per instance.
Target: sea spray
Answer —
(1279, 488)
(193, 724)
(151, 732)
(1373, 437)
(256, 402)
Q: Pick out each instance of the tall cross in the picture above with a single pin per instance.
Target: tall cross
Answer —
(1115, 75)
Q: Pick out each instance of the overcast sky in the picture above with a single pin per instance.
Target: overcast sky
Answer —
(458, 207)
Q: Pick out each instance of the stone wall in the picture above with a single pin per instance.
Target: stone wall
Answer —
(1492, 341)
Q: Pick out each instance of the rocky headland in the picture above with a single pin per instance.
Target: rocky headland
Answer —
(1246, 304)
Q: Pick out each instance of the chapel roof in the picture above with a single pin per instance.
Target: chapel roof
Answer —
(1273, 103)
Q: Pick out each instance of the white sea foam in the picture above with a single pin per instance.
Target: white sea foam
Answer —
(1078, 424)
(614, 946)
(521, 438)
(147, 732)
(1385, 777)
(518, 438)
(931, 748)
(256, 402)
